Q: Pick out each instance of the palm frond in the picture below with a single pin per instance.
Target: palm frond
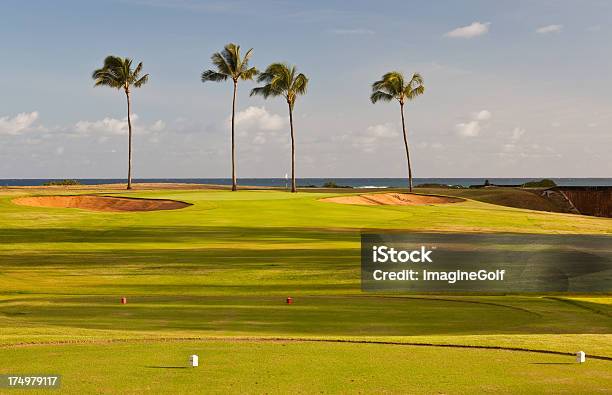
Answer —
(221, 64)
(141, 81)
(281, 79)
(229, 63)
(300, 84)
(107, 77)
(117, 73)
(392, 85)
(265, 91)
(249, 74)
(137, 71)
(113, 62)
(418, 91)
(381, 96)
(265, 76)
(211, 75)
(415, 87)
(231, 55)
(244, 62)
(416, 79)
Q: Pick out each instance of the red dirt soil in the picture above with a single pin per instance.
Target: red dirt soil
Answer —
(392, 199)
(101, 203)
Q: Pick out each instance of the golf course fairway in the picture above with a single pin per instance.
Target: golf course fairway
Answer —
(212, 279)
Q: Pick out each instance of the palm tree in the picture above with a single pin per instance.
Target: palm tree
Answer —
(282, 79)
(392, 86)
(117, 73)
(229, 64)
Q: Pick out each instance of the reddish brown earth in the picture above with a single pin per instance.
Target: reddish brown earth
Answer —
(392, 199)
(101, 203)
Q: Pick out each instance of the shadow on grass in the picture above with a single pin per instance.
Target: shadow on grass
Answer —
(178, 234)
(174, 234)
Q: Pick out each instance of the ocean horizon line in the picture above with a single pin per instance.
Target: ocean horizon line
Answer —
(355, 182)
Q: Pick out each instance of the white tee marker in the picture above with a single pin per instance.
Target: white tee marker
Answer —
(580, 357)
(194, 361)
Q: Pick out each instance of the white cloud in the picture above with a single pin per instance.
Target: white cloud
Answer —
(17, 124)
(104, 126)
(352, 32)
(468, 129)
(258, 118)
(383, 130)
(114, 126)
(517, 133)
(472, 128)
(549, 29)
(469, 31)
(482, 115)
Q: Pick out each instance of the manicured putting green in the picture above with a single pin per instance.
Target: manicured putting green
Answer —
(305, 367)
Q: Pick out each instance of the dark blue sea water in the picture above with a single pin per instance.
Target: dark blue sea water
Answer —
(352, 182)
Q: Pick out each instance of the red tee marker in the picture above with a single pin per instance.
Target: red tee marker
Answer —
(289, 300)
(123, 300)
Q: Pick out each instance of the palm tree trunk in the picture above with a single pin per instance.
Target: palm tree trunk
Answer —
(293, 186)
(407, 150)
(234, 185)
(129, 118)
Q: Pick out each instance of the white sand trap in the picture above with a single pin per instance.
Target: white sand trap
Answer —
(392, 199)
(101, 203)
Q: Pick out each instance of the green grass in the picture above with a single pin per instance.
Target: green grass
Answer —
(284, 367)
(222, 268)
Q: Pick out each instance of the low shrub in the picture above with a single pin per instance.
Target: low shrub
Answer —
(62, 183)
(545, 183)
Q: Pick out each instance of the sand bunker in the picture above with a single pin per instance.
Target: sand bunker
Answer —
(392, 199)
(101, 203)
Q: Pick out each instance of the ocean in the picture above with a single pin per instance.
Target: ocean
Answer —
(350, 182)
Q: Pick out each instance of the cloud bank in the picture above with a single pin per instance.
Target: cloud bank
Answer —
(17, 124)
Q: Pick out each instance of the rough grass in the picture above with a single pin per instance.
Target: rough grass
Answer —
(505, 196)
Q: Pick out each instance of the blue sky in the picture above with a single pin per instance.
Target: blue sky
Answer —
(514, 89)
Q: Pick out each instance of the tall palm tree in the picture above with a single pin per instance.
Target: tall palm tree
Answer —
(117, 73)
(229, 64)
(283, 80)
(393, 86)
